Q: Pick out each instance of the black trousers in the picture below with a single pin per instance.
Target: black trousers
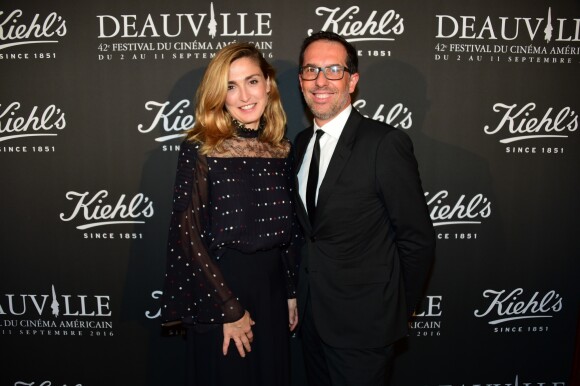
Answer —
(333, 366)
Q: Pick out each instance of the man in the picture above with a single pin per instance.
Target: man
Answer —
(369, 239)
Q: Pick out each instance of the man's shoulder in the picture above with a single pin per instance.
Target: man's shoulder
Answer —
(375, 129)
(303, 135)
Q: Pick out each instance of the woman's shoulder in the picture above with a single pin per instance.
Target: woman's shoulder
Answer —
(190, 143)
(287, 144)
(284, 149)
(190, 148)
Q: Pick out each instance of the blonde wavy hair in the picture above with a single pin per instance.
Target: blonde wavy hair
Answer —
(213, 124)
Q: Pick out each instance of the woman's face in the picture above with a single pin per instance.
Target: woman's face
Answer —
(247, 94)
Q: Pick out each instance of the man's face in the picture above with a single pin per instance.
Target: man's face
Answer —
(326, 98)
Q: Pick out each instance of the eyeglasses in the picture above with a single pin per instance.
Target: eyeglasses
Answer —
(334, 72)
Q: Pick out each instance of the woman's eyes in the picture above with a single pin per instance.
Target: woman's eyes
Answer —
(251, 81)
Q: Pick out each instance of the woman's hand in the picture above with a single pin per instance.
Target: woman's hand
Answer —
(241, 333)
(292, 313)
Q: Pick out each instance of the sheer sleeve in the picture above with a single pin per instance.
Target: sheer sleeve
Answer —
(291, 254)
(194, 290)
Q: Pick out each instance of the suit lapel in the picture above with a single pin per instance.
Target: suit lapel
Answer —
(338, 161)
(301, 145)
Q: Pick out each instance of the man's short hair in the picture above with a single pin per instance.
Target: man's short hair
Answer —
(351, 55)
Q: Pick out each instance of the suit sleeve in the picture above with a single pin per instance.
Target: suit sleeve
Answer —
(400, 187)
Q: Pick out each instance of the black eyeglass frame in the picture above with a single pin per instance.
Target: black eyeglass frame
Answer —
(323, 70)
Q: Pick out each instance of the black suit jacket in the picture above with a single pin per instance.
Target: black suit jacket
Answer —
(367, 256)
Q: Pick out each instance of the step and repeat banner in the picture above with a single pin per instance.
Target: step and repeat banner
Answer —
(96, 97)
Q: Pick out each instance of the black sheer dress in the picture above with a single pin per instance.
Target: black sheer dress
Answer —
(231, 248)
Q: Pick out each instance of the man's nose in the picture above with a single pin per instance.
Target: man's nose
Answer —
(320, 79)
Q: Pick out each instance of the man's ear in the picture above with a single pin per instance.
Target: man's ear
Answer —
(352, 82)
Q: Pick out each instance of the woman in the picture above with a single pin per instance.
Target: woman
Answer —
(230, 267)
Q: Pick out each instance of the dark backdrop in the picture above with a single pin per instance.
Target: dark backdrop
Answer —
(94, 101)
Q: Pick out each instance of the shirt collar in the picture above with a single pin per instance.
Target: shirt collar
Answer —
(335, 126)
